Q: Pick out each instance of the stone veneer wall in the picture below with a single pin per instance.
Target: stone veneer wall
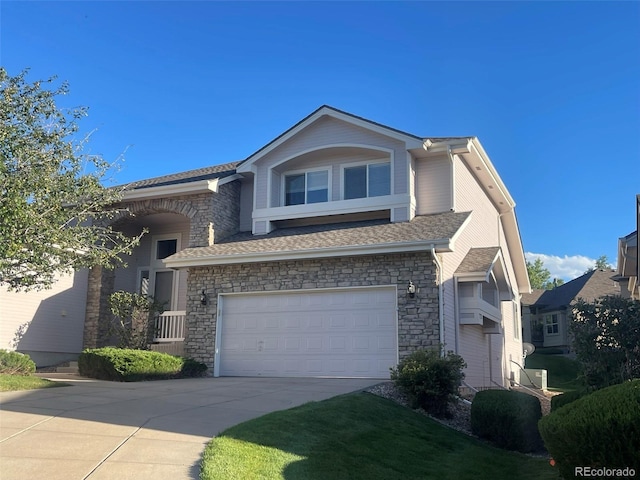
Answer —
(418, 320)
(212, 216)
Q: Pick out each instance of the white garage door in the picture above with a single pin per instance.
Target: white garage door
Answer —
(312, 333)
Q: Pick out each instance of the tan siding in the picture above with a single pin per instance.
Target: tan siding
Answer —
(433, 185)
(246, 206)
(47, 320)
(327, 131)
(483, 230)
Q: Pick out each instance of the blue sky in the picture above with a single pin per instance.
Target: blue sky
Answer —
(552, 89)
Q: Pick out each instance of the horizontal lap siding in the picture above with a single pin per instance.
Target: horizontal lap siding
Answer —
(46, 320)
(483, 230)
(433, 185)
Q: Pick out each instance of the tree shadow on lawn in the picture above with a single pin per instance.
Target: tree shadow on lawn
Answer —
(365, 436)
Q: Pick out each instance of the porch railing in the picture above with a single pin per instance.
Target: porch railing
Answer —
(169, 326)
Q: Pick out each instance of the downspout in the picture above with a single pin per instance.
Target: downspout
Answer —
(440, 298)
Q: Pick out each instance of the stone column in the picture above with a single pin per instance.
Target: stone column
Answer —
(98, 315)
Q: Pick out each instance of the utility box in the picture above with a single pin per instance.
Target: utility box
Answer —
(534, 377)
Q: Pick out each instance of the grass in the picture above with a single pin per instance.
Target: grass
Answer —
(10, 383)
(562, 372)
(359, 436)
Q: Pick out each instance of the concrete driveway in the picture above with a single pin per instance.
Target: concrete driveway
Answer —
(150, 430)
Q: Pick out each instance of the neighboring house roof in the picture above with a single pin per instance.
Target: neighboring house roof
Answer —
(206, 173)
(532, 298)
(588, 287)
(349, 238)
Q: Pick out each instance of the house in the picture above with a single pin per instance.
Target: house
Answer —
(335, 250)
(547, 313)
(45, 324)
(628, 267)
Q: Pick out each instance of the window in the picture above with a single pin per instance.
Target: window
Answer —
(551, 324)
(308, 187)
(373, 180)
(516, 321)
(166, 248)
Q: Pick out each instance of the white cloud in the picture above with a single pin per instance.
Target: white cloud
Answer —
(567, 267)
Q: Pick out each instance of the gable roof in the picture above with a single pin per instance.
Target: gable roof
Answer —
(589, 287)
(338, 239)
(326, 110)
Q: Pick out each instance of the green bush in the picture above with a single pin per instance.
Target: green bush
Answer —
(508, 419)
(16, 363)
(128, 365)
(429, 380)
(599, 430)
(558, 401)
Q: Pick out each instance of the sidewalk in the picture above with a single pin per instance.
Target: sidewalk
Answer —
(157, 430)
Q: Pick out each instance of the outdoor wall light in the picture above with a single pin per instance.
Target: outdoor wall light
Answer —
(411, 289)
(203, 298)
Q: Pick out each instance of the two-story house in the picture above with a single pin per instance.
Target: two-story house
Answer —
(335, 250)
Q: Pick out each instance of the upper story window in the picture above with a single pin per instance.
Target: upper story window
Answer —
(371, 180)
(306, 187)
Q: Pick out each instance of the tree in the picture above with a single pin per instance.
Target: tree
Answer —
(606, 339)
(134, 315)
(54, 211)
(602, 263)
(540, 276)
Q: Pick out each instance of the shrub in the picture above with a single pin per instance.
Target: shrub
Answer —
(128, 365)
(16, 363)
(508, 419)
(429, 380)
(606, 339)
(599, 430)
(558, 401)
(133, 319)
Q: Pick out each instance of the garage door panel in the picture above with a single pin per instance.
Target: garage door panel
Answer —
(315, 333)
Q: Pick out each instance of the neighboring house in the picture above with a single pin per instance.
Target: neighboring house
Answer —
(46, 324)
(335, 250)
(547, 313)
(628, 265)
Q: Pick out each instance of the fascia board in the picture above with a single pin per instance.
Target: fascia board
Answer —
(516, 252)
(476, 148)
(442, 246)
(189, 188)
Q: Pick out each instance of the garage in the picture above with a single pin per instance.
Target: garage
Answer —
(349, 332)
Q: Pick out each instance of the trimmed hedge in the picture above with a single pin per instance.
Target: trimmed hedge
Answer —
(599, 430)
(558, 401)
(16, 363)
(507, 418)
(429, 380)
(128, 365)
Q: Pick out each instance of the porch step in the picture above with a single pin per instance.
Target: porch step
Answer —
(72, 367)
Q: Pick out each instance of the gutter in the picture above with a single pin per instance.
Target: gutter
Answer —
(440, 298)
(212, 259)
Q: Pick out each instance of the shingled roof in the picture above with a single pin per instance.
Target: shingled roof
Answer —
(589, 287)
(206, 173)
(478, 260)
(438, 228)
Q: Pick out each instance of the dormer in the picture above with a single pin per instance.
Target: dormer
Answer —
(331, 166)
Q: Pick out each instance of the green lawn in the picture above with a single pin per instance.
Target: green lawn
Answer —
(562, 372)
(359, 436)
(25, 382)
